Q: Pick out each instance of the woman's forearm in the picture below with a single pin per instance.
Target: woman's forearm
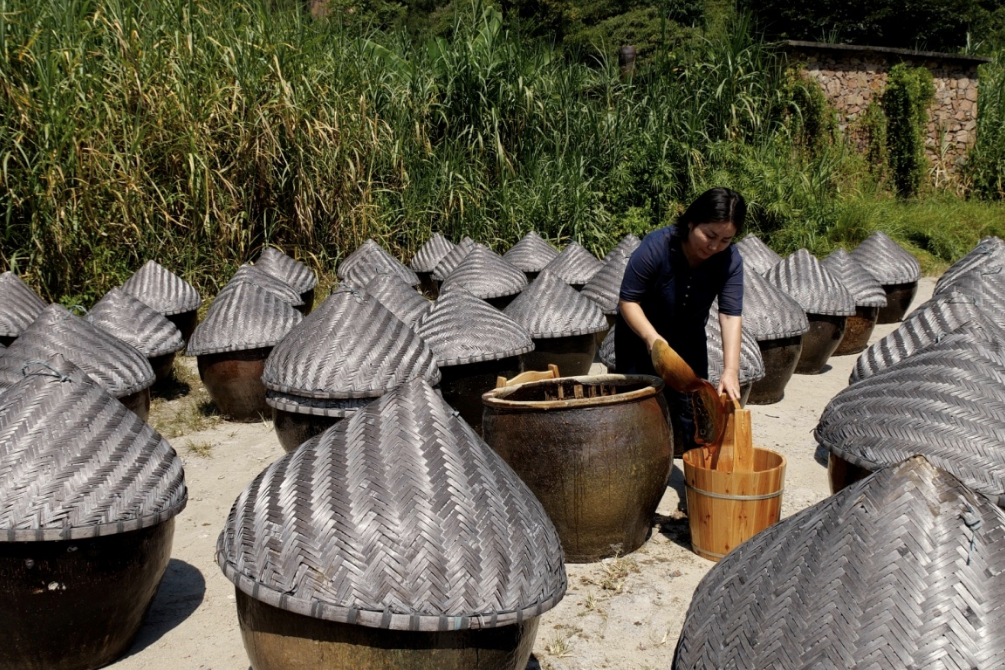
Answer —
(637, 321)
(731, 327)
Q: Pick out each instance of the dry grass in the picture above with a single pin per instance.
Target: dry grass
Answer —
(181, 405)
(200, 449)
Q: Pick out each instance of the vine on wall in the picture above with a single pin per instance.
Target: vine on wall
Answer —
(909, 91)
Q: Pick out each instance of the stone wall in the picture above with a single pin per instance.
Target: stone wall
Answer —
(852, 79)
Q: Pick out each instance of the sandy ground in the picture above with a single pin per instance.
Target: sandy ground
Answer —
(623, 613)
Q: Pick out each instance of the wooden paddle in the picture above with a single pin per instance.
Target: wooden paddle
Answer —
(709, 410)
(736, 451)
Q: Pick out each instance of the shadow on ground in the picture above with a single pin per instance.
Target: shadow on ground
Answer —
(180, 593)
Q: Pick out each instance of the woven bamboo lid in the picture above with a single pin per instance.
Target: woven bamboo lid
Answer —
(349, 347)
(945, 402)
(886, 260)
(531, 254)
(119, 368)
(575, 265)
(924, 326)
(166, 292)
(431, 253)
(757, 254)
(604, 288)
(76, 464)
(250, 274)
(274, 262)
(989, 251)
(864, 288)
(19, 305)
(814, 288)
(245, 317)
(369, 260)
(751, 363)
(399, 298)
(901, 570)
(551, 308)
(452, 259)
(769, 313)
(986, 282)
(484, 274)
(462, 329)
(628, 244)
(402, 518)
(135, 323)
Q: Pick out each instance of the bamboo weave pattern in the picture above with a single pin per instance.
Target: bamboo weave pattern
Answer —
(452, 259)
(905, 569)
(461, 329)
(604, 288)
(245, 317)
(551, 308)
(166, 292)
(531, 254)
(250, 274)
(349, 347)
(575, 265)
(119, 368)
(814, 288)
(138, 325)
(75, 463)
(769, 313)
(886, 260)
(19, 305)
(484, 274)
(758, 255)
(399, 298)
(274, 262)
(431, 253)
(399, 517)
(864, 288)
(369, 260)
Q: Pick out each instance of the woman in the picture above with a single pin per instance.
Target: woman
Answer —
(667, 293)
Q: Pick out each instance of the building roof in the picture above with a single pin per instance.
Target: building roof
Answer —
(851, 49)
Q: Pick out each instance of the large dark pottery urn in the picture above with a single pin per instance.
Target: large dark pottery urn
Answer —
(596, 451)
(409, 544)
(279, 640)
(19, 306)
(285, 268)
(234, 382)
(858, 330)
(563, 323)
(232, 343)
(166, 292)
(898, 301)
(90, 594)
(462, 386)
(118, 367)
(345, 354)
(827, 303)
(893, 267)
(86, 524)
(945, 402)
(780, 357)
(869, 298)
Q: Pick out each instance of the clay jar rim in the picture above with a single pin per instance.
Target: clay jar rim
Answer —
(496, 398)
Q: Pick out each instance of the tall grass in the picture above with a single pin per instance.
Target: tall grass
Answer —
(194, 131)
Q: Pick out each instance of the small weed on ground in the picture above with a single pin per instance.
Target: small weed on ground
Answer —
(200, 449)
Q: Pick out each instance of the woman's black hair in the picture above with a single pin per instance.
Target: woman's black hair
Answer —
(716, 205)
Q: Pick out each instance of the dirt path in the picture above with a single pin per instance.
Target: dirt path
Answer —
(623, 614)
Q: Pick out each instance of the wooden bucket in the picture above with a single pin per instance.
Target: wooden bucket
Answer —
(727, 508)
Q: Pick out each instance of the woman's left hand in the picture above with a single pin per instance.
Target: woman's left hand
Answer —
(729, 383)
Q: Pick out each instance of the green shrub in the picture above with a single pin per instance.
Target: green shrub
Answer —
(908, 93)
(985, 165)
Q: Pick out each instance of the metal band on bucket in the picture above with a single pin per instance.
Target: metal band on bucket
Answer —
(721, 496)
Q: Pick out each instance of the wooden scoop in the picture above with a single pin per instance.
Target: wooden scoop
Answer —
(709, 411)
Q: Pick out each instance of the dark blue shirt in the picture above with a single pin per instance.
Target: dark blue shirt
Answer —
(676, 299)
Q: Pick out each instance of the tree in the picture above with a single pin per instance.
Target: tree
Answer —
(934, 25)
